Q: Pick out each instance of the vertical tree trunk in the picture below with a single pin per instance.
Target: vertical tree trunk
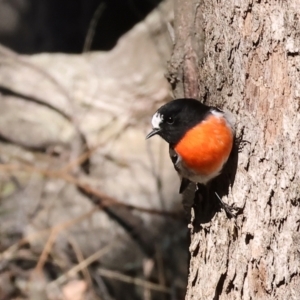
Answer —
(244, 55)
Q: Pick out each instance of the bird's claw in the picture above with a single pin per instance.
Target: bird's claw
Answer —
(231, 211)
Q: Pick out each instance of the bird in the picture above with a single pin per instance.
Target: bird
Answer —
(200, 139)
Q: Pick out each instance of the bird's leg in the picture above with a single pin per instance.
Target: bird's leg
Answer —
(201, 198)
(230, 211)
(202, 203)
(200, 194)
(184, 184)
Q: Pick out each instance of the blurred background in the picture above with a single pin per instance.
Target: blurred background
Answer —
(88, 208)
(33, 26)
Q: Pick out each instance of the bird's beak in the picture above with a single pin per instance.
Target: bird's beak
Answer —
(152, 133)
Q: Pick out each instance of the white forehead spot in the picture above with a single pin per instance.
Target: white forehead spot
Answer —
(156, 120)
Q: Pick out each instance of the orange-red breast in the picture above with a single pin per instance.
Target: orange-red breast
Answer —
(200, 138)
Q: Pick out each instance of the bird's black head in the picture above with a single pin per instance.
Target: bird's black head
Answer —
(174, 119)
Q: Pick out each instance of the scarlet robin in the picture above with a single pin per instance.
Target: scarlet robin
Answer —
(200, 138)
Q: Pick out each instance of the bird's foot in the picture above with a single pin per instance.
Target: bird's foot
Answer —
(231, 211)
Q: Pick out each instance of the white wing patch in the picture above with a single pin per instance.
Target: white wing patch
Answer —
(157, 120)
(217, 114)
(228, 116)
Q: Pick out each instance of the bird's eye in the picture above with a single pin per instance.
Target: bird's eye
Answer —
(170, 120)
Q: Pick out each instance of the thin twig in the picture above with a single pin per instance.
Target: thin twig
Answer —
(8, 254)
(85, 263)
(105, 200)
(79, 160)
(15, 57)
(54, 233)
(92, 27)
(160, 266)
(133, 280)
(80, 258)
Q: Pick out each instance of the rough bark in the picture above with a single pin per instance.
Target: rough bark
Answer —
(247, 62)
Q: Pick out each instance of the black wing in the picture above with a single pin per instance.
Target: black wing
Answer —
(184, 181)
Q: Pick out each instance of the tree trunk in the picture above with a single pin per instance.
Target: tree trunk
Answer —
(244, 56)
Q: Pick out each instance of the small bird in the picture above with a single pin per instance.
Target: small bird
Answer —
(200, 138)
